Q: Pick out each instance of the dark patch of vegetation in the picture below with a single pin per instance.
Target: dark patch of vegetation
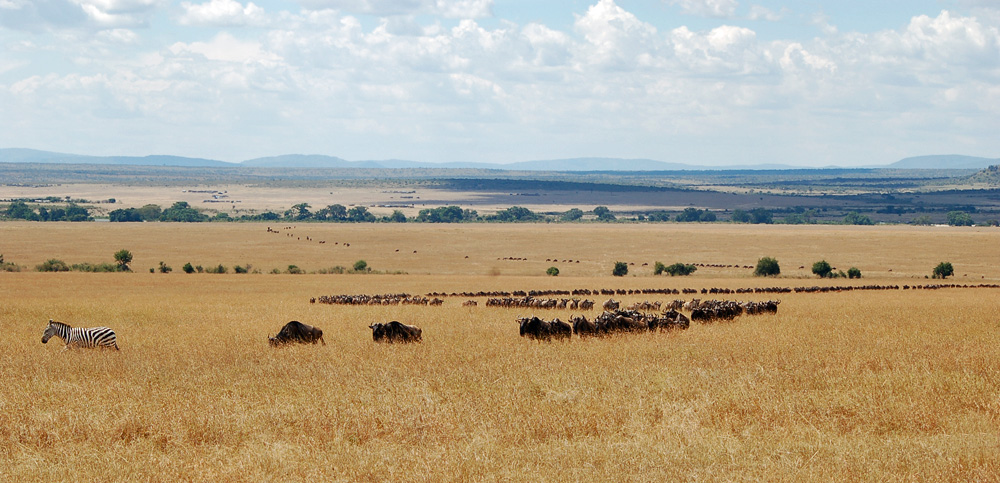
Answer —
(767, 267)
(620, 270)
(943, 270)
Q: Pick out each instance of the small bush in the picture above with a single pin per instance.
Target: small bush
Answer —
(943, 270)
(188, 268)
(853, 272)
(96, 267)
(332, 270)
(822, 268)
(680, 269)
(239, 269)
(767, 267)
(219, 269)
(360, 266)
(53, 265)
(164, 268)
(294, 270)
(275, 271)
(552, 271)
(8, 266)
(620, 270)
(658, 268)
(200, 268)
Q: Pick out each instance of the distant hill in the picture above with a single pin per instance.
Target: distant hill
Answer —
(944, 161)
(319, 161)
(306, 161)
(990, 176)
(17, 155)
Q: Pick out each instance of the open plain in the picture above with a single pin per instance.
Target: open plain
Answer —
(871, 385)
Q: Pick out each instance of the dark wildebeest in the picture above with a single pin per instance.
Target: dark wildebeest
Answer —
(611, 305)
(535, 328)
(396, 332)
(583, 327)
(296, 331)
(561, 330)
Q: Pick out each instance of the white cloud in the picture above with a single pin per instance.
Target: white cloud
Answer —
(707, 8)
(222, 13)
(224, 47)
(444, 8)
(118, 13)
(616, 38)
(758, 12)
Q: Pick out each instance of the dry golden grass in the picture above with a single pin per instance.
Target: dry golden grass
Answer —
(874, 386)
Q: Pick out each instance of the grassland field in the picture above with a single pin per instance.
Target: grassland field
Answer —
(897, 385)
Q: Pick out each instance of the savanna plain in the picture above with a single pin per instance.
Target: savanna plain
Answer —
(862, 385)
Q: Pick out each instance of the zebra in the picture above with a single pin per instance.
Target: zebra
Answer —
(78, 337)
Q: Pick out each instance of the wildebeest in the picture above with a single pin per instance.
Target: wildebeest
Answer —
(611, 305)
(583, 327)
(535, 328)
(296, 331)
(396, 332)
(561, 330)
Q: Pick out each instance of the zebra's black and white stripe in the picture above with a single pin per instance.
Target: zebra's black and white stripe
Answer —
(81, 337)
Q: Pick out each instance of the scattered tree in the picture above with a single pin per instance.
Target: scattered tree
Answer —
(360, 266)
(164, 268)
(604, 214)
(123, 257)
(620, 270)
(822, 268)
(853, 272)
(680, 269)
(855, 218)
(767, 267)
(572, 214)
(960, 218)
(552, 271)
(188, 268)
(943, 270)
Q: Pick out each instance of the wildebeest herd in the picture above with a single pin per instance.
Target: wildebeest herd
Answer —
(619, 321)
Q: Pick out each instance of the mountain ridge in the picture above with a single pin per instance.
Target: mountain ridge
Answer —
(23, 155)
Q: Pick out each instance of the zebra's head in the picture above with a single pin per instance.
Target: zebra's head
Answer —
(50, 331)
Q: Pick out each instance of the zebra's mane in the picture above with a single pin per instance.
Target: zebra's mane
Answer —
(60, 324)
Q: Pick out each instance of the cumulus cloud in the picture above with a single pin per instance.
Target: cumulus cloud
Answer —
(444, 8)
(118, 13)
(325, 80)
(222, 13)
(707, 8)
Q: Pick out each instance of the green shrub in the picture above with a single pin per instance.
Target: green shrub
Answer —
(767, 267)
(294, 270)
(332, 270)
(658, 268)
(552, 271)
(680, 269)
(188, 268)
(360, 266)
(164, 268)
(219, 269)
(822, 268)
(853, 272)
(53, 265)
(103, 267)
(620, 270)
(123, 257)
(943, 270)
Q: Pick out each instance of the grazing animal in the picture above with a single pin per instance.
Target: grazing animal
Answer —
(535, 328)
(561, 330)
(611, 305)
(395, 332)
(101, 337)
(583, 327)
(296, 331)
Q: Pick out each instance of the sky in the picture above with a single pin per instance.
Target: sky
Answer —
(711, 82)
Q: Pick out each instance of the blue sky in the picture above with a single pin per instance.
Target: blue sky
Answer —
(715, 82)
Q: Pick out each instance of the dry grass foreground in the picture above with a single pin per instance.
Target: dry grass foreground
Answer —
(876, 386)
